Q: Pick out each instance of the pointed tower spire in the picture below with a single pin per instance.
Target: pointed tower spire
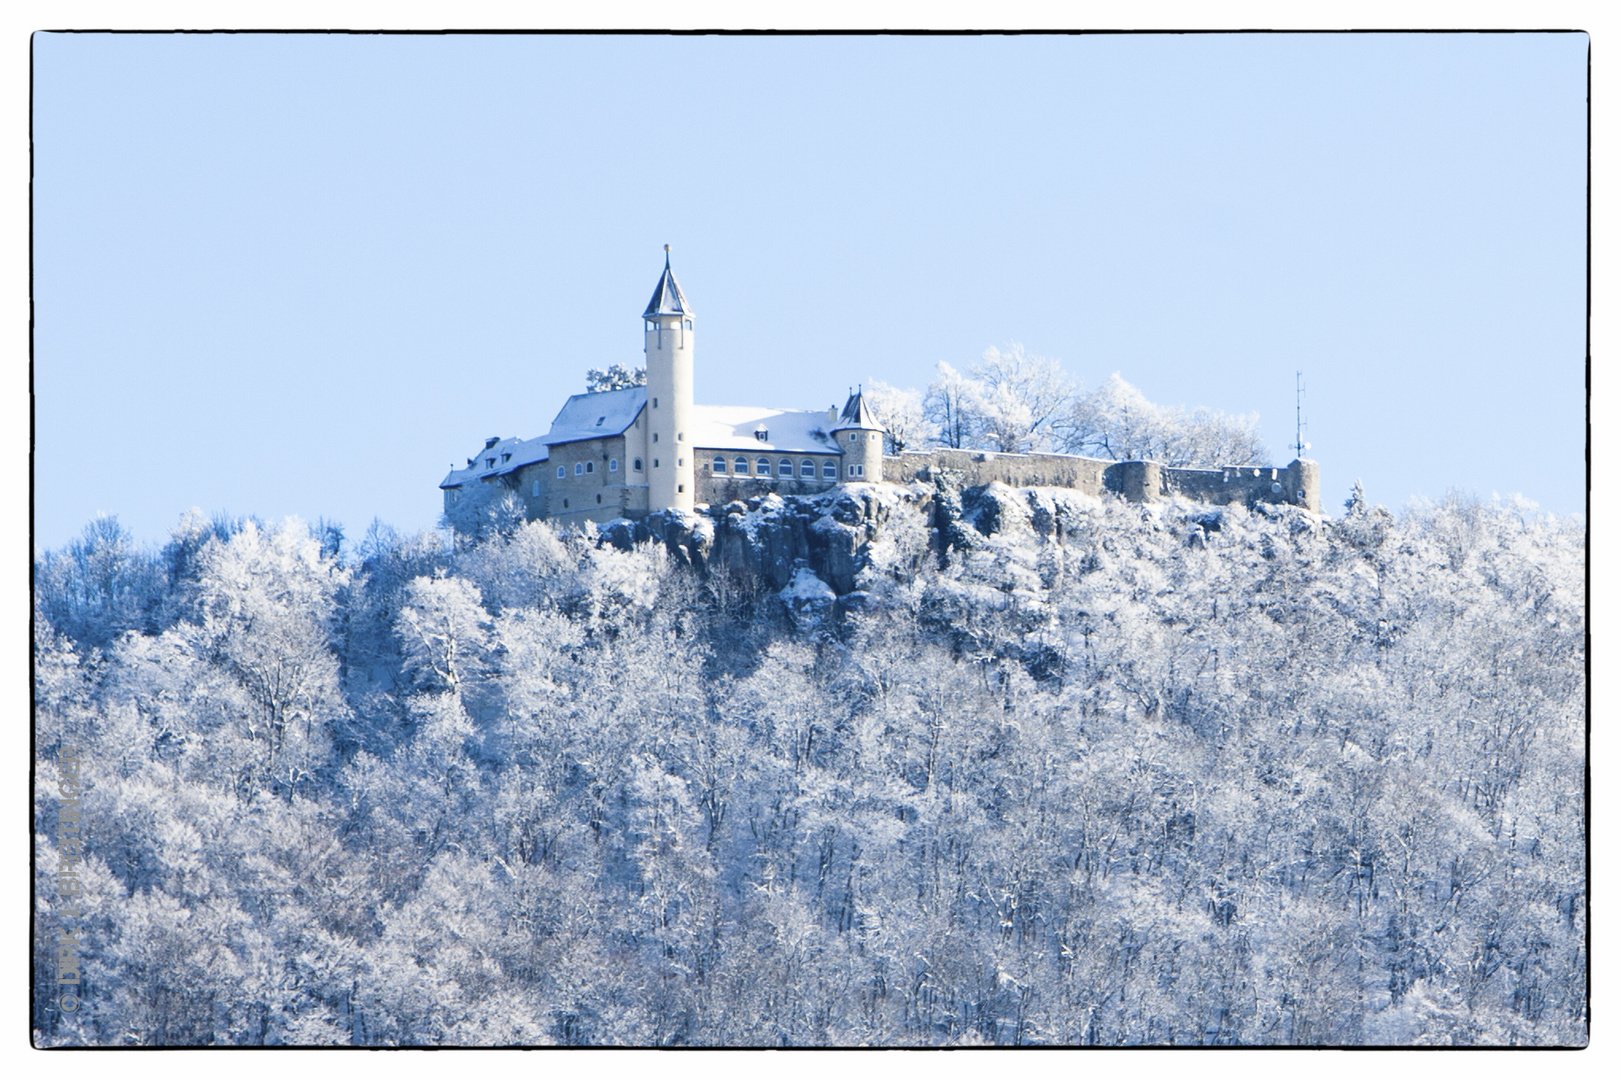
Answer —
(667, 298)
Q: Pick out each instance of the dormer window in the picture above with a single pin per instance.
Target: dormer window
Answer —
(505, 458)
(762, 434)
(599, 420)
(490, 462)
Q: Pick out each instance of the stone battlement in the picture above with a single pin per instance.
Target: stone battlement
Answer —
(1296, 484)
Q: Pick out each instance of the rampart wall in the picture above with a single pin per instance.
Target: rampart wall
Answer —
(1014, 470)
(1138, 481)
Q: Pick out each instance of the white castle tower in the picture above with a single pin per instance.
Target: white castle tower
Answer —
(668, 324)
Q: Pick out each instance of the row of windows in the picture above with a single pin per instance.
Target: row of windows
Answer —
(582, 468)
(740, 466)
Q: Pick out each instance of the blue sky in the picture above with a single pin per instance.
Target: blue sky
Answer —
(305, 274)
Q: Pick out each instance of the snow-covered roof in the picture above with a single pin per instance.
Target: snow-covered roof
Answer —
(498, 457)
(667, 298)
(732, 427)
(595, 416)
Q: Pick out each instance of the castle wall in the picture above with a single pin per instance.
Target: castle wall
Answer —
(719, 490)
(600, 495)
(1137, 481)
(1014, 470)
(1296, 484)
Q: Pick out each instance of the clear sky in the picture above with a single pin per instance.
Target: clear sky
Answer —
(307, 274)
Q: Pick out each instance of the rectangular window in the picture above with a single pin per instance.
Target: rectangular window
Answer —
(537, 489)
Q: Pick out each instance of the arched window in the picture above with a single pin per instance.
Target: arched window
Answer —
(562, 471)
(763, 466)
(784, 468)
(719, 464)
(636, 464)
(590, 466)
(829, 470)
(742, 466)
(613, 464)
(579, 468)
(807, 470)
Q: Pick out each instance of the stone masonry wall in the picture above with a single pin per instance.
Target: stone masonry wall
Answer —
(1014, 470)
(1138, 481)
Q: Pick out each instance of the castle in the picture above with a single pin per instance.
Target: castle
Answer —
(634, 451)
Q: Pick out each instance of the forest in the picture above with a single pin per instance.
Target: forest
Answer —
(1057, 771)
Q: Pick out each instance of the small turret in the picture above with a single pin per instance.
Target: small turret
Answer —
(860, 437)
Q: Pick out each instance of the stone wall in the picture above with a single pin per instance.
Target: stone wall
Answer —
(1138, 481)
(984, 466)
(719, 490)
(1295, 484)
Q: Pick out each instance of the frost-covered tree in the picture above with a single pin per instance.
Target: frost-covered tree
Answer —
(952, 405)
(905, 421)
(484, 510)
(1117, 422)
(101, 586)
(614, 377)
(1020, 396)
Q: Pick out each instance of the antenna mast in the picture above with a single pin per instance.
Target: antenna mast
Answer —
(1299, 415)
